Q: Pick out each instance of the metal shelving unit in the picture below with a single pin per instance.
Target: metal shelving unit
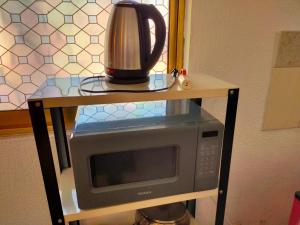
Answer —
(61, 196)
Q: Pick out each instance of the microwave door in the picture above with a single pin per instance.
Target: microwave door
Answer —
(119, 167)
(134, 167)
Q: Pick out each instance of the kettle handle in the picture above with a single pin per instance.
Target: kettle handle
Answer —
(151, 12)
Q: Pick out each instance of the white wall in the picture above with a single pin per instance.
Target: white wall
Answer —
(22, 196)
(234, 40)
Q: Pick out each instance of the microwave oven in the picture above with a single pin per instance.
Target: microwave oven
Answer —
(140, 156)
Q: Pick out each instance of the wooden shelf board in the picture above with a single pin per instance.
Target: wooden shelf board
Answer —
(73, 213)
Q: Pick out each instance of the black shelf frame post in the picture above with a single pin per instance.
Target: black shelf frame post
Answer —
(232, 101)
(61, 140)
(41, 135)
(40, 130)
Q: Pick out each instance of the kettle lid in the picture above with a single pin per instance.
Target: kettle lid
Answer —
(127, 3)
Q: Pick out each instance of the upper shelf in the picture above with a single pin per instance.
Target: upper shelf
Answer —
(63, 92)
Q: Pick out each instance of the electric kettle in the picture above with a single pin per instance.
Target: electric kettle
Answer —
(127, 52)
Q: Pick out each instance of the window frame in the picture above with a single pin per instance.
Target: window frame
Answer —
(18, 121)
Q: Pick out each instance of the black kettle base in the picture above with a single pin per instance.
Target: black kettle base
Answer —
(115, 80)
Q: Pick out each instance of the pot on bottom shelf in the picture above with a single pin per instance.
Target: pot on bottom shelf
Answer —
(170, 214)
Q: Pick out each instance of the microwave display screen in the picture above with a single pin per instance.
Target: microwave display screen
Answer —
(125, 167)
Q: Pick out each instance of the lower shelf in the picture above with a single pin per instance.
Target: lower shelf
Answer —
(73, 213)
(125, 218)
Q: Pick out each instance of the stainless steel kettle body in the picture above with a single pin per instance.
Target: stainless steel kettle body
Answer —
(127, 55)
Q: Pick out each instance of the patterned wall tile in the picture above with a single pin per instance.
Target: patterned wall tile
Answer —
(41, 7)
(24, 69)
(60, 59)
(82, 39)
(84, 58)
(44, 29)
(79, 3)
(81, 19)
(5, 90)
(7, 39)
(58, 39)
(46, 49)
(2, 51)
(15, 7)
(35, 59)
(48, 38)
(13, 79)
(9, 60)
(94, 49)
(91, 9)
(73, 68)
(53, 3)
(16, 96)
(67, 8)
(27, 87)
(71, 49)
(20, 50)
(94, 29)
(4, 70)
(49, 68)
(38, 78)
(5, 18)
(17, 29)
(27, 2)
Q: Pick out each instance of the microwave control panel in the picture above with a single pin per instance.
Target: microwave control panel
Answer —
(209, 149)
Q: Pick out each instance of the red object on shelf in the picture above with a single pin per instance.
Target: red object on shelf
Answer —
(295, 214)
(183, 72)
